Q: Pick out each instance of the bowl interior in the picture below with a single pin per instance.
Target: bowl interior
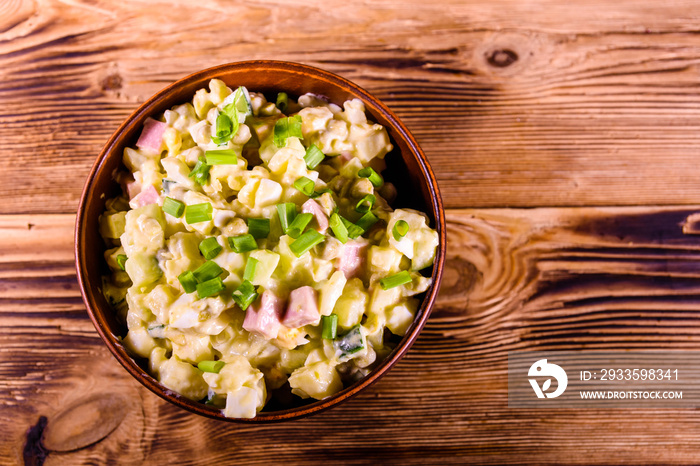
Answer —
(407, 168)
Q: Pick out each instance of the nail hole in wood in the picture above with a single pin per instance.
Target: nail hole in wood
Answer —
(501, 58)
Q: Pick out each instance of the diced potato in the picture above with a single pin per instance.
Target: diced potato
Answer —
(382, 259)
(139, 342)
(352, 304)
(112, 226)
(420, 242)
(400, 317)
(143, 269)
(267, 263)
(318, 380)
(183, 378)
(331, 291)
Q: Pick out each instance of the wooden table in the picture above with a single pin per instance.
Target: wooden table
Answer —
(566, 140)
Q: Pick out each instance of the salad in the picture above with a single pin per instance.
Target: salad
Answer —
(254, 250)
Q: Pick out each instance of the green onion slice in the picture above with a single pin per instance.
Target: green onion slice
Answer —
(173, 207)
(211, 366)
(287, 212)
(330, 327)
(373, 176)
(210, 248)
(250, 267)
(200, 172)
(393, 281)
(305, 242)
(400, 229)
(207, 271)
(287, 127)
(245, 295)
(121, 261)
(320, 193)
(305, 185)
(365, 204)
(313, 157)
(188, 281)
(366, 221)
(196, 213)
(259, 227)
(243, 243)
(339, 229)
(298, 225)
(221, 157)
(241, 100)
(210, 287)
(353, 230)
(282, 101)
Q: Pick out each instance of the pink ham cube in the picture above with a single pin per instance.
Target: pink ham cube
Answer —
(145, 197)
(151, 138)
(302, 308)
(263, 316)
(312, 207)
(352, 258)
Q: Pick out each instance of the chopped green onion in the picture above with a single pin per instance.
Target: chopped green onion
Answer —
(226, 125)
(207, 271)
(210, 248)
(330, 327)
(196, 213)
(282, 101)
(399, 279)
(211, 366)
(241, 100)
(285, 128)
(173, 207)
(320, 193)
(200, 172)
(245, 295)
(250, 267)
(243, 243)
(121, 261)
(305, 185)
(210, 287)
(221, 157)
(188, 281)
(287, 212)
(296, 228)
(353, 230)
(338, 227)
(305, 242)
(365, 204)
(366, 221)
(259, 227)
(400, 229)
(313, 156)
(373, 176)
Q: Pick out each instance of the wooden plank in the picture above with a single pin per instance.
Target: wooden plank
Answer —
(539, 279)
(517, 104)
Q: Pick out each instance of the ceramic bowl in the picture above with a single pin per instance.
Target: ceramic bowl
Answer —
(407, 168)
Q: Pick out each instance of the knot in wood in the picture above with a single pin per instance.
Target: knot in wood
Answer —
(112, 82)
(501, 58)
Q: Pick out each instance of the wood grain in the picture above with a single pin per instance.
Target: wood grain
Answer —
(596, 105)
(548, 278)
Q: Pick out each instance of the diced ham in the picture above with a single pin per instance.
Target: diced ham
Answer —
(151, 138)
(346, 156)
(302, 308)
(263, 316)
(145, 197)
(312, 207)
(352, 258)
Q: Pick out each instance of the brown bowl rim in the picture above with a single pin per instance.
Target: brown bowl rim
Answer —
(145, 110)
